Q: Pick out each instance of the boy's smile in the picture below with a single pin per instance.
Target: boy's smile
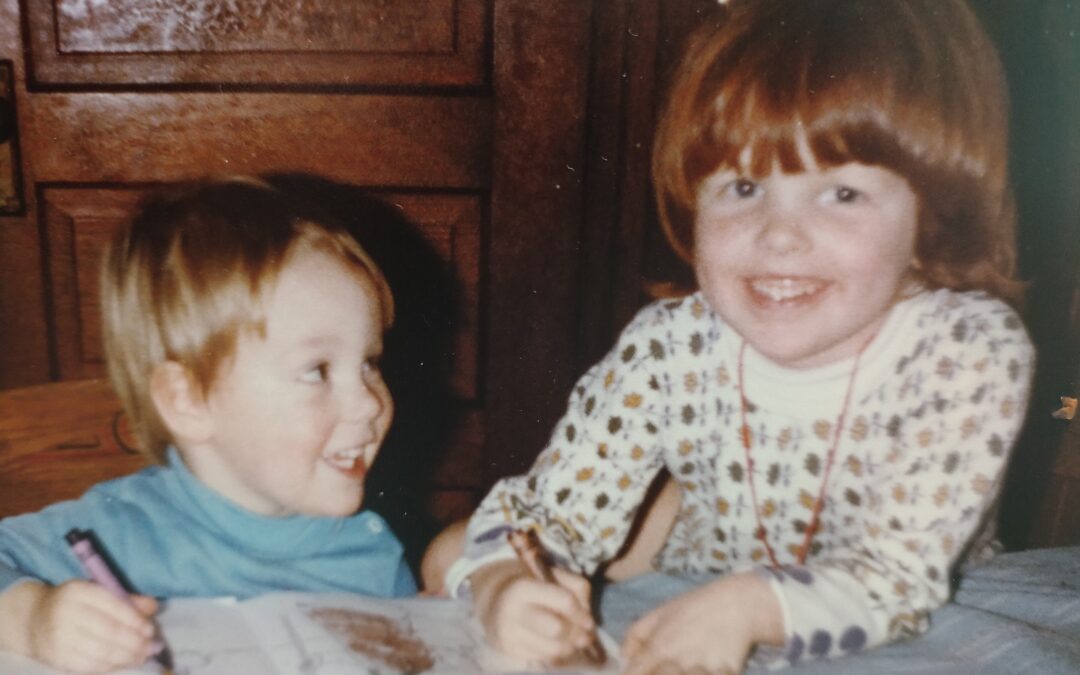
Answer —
(805, 266)
(300, 410)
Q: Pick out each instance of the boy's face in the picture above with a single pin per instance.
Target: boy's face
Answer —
(298, 414)
(805, 266)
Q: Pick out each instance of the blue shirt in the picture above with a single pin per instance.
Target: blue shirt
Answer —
(172, 536)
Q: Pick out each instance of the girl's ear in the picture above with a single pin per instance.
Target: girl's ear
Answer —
(180, 403)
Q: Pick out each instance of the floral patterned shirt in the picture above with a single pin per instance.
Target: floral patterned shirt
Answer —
(936, 403)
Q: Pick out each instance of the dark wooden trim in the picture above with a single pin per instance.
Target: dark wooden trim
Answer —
(540, 83)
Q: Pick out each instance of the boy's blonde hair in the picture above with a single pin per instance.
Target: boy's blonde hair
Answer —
(914, 86)
(192, 270)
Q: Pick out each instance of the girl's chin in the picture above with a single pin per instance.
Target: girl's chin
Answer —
(789, 355)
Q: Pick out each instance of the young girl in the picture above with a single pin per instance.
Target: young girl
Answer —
(838, 400)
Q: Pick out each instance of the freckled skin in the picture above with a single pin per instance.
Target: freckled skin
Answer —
(805, 266)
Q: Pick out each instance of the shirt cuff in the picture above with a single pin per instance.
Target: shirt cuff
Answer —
(457, 576)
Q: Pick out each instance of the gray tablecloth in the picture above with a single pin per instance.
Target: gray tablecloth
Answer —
(1019, 613)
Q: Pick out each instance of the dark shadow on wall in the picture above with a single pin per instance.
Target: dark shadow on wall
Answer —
(417, 350)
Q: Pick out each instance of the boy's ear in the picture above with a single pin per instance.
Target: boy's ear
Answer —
(180, 403)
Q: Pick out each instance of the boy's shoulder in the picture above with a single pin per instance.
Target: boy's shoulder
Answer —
(117, 504)
(135, 491)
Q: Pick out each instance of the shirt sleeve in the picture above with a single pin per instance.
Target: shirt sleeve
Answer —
(584, 488)
(932, 492)
(32, 546)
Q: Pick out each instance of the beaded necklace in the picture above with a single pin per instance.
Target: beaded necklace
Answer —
(819, 503)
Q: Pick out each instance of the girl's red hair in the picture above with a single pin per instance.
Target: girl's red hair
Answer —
(914, 86)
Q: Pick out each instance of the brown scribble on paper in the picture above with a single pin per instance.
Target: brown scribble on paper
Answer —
(377, 637)
(1067, 410)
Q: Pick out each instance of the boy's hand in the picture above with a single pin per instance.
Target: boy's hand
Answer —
(77, 626)
(530, 619)
(709, 629)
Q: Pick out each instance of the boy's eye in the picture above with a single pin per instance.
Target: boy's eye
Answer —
(318, 373)
(373, 364)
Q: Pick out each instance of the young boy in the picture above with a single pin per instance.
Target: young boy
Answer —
(243, 333)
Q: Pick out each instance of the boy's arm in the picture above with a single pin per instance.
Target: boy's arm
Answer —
(77, 626)
(49, 612)
(17, 604)
(32, 546)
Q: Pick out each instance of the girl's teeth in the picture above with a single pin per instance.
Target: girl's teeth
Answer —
(784, 289)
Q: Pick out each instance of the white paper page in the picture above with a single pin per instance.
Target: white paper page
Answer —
(323, 634)
(210, 637)
(331, 634)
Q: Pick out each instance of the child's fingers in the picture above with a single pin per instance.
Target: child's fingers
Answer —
(90, 654)
(637, 637)
(146, 605)
(92, 648)
(576, 584)
(542, 621)
(120, 612)
(114, 632)
(74, 630)
(544, 636)
(561, 601)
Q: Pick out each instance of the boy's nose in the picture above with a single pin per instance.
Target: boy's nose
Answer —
(364, 402)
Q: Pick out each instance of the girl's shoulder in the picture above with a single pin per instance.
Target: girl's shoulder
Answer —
(683, 312)
(965, 314)
(959, 324)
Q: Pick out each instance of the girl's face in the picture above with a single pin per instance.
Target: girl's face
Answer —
(805, 266)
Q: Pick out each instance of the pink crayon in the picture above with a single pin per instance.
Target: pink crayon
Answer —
(95, 566)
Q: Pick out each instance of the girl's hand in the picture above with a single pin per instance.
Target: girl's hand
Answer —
(710, 629)
(530, 619)
(79, 626)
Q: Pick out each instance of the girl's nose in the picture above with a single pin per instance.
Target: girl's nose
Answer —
(782, 231)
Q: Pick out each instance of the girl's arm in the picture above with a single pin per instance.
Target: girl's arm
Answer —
(712, 628)
(584, 489)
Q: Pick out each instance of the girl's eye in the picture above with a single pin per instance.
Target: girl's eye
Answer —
(846, 195)
(318, 373)
(743, 187)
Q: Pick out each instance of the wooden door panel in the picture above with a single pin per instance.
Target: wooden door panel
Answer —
(258, 42)
(366, 140)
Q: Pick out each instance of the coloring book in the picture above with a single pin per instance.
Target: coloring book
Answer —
(325, 634)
